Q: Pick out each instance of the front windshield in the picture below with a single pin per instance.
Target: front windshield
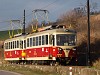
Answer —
(65, 39)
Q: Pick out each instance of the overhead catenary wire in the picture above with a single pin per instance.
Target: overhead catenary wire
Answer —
(47, 6)
(31, 12)
(41, 8)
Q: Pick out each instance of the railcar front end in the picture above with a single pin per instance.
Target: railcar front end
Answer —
(65, 43)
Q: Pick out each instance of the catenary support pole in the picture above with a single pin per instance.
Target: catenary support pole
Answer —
(88, 21)
(24, 24)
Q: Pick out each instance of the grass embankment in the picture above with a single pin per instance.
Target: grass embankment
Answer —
(25, 70)
(96, 64)
(5, 34)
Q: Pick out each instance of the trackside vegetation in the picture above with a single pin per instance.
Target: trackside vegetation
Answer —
(24, 70)
(5, 34)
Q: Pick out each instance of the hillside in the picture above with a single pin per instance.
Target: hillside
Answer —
(5, 34)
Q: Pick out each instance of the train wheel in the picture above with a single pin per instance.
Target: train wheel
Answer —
(54, 63)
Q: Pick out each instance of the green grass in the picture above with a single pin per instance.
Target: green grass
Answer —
(25, 70)
(5, 34)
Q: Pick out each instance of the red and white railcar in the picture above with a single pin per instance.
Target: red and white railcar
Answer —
(54, 43)
(14, 48)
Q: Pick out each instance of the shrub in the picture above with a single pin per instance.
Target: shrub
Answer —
(96, 64)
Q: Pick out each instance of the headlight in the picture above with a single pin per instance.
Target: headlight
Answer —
(74, 49)
(60, 48)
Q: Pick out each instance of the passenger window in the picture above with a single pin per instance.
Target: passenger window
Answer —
(17, 44)
(6, 45)
(24, 43)
(21, 44)
(52, 39)
(33, 41)
(36, 41)
(39, 40)
(46, 39)
(30, 42)
(11, 46)
(43, 40)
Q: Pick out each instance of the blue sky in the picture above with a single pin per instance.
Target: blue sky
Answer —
(13, 9)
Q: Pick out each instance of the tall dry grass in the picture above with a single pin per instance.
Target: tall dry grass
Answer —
(96, 64)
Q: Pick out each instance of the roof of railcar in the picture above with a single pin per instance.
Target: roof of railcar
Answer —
(60, 30)
(16, 38)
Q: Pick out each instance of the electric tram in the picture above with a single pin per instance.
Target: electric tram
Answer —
(50, 44)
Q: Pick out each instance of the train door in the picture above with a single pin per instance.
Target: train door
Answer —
(23, 48)
(23, 44)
